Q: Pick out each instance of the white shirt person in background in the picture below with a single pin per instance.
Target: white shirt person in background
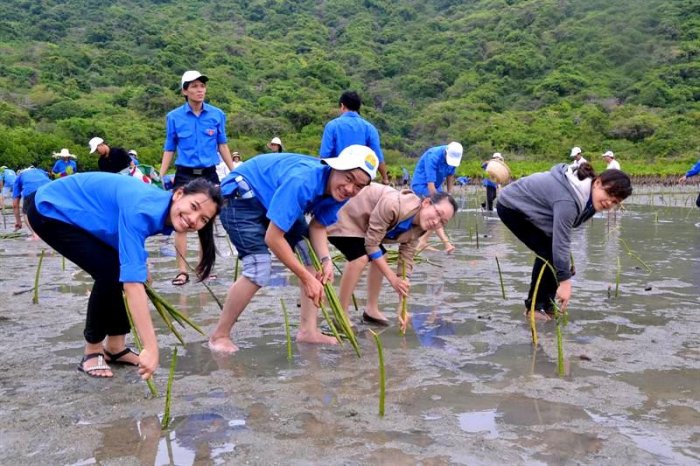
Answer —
(578, 158)
(610, 159)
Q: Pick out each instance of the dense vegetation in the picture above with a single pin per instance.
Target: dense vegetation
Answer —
(528, 78)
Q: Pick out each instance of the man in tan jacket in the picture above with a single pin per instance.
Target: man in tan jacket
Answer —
(381, 214)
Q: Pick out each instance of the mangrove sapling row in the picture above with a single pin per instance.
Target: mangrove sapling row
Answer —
(35, 298)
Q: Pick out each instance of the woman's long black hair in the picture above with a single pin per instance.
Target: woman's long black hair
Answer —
(206, 234)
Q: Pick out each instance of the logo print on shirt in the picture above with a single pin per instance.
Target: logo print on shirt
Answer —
(210, 132)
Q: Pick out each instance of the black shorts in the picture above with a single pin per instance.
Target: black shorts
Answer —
(351, 247)
(184, 175)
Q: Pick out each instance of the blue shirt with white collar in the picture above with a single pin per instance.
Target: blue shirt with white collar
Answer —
(288, 186)
(348, 129)
(432, 167)
(120, 210)
(195, 138)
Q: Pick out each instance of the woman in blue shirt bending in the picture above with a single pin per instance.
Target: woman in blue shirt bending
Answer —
(100, 221)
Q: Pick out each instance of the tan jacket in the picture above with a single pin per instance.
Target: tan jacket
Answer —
(376, 211)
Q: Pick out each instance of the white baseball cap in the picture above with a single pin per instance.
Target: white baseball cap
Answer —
(453, 154)
(94, 142)
(497, 156)
(609, 154)
(355, 156)
(192, 75)
(575, 151)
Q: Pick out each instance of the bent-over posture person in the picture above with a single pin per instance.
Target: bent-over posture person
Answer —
(542, 210)
(100, 221)
(27, 182)
(267, 199)
(381, 214)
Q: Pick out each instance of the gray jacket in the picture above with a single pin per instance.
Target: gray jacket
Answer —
(555, 202)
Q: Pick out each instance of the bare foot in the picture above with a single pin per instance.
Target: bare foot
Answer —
(222, 345)
(539, 316)
(315, 337)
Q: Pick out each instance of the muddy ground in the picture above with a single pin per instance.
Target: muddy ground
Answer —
(464, 386)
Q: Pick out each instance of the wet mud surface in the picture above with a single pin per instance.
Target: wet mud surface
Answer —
(464, 386)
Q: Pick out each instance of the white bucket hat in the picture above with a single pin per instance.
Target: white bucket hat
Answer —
(453, 154)
(575, 151)
(133, 152)
(277, 141)
(609, 154)
(94, 142)
(64, 153)
(192, 75)
(497, 156)
(355, 156)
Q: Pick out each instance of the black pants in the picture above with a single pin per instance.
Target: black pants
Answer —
(106, 314)
(490, 197)
(541, 244)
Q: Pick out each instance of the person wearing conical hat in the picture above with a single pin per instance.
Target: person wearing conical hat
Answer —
(65, 165)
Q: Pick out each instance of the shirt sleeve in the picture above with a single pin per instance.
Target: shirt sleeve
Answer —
(374, 144)
(327, 142)
(17, 189)
(383, 216)
(221, 134)
(132, 248)
(564, 216)
(407, 251)
(694, 170)
(170, 134)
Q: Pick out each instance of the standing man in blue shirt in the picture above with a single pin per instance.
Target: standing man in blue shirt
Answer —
(197, 131)
(437, 165)
(267, 199)
(27, 182)
(350, 128)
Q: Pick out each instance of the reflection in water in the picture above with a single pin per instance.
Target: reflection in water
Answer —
(430, 325)
(479, 421)
(198, 438)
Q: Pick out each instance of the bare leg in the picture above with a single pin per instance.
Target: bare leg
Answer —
(237, 298)
(117, 343)
(308, 327)
(34, 236)
(181, 251)
(348, 282)
(374, 286)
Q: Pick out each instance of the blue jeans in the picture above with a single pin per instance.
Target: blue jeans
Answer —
(246, 222)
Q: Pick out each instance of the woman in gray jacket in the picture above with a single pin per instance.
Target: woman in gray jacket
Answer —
(543, 208)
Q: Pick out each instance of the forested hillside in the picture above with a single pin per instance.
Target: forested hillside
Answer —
(529, 78)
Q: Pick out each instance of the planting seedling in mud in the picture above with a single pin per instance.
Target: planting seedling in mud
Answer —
(100, 221)
(267, 199)
(542, 210)
(381, 214)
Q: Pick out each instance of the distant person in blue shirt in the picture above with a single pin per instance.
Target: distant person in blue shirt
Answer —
(350, 128)
(267, 199)
(27, 182)
(437, 165)
(197, 132)
(65, 165)
(100, 221)
(7, 181)
(694, 170)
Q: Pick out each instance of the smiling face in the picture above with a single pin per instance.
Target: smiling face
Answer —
(601, 199)
(191, 212)
(196, 91)
(344, 184)
(434, 216)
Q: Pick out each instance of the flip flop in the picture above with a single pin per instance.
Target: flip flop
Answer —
(100, 366)
(178, 281)
(373, 320)
(114, 358)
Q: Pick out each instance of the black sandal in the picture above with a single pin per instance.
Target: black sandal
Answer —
(115, 358)
(177, 281)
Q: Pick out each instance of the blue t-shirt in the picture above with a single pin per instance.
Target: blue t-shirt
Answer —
(348, 129)
(694, 170)
(29, 181)
(8, 177)
(289, 186)
(431, 168)
(195, 138)
(60, 168)
(120, 210)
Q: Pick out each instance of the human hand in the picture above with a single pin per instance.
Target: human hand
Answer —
(564, 294)
(327, 272)
(18, 225)
(148, 363)
(403, 323)
(313, 289)
(682, 179)
(401, 286)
